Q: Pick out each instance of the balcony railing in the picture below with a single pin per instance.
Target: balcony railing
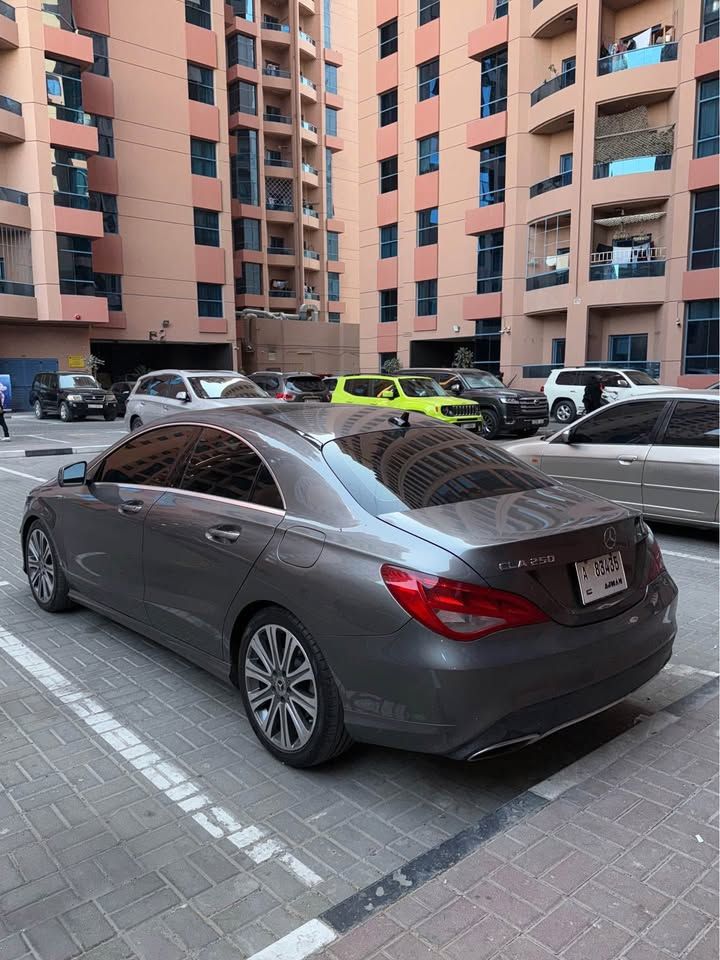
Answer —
(17, 289)
(276, 72)
(70, 114)
(309, 168)
(278, 27)
(546, 89)
(307, 82)
(12, 106)
(551, 183)
(283, 294)
(306, 125)
(606, 265)
(277, 162)
(78, 201)
(6, 10)
(647, 56)
(272, 204)
(309, 212)
(306, 37)
(13, 196)
(311, 254)
(277, 118)
(554, 278)
(243, 287)
(312, 295)
(281, 251)
(620, 168)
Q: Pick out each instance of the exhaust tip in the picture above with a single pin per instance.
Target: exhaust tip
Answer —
(505, 746)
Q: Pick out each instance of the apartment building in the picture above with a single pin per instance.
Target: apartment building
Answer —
(292, 88)
(115, 228)
(539, 184)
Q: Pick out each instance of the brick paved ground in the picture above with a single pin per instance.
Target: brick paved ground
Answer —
(97, 862)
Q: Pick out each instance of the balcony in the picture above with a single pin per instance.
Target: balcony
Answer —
(277, 251)
(12, 125)
(275, 78)
(242, 9)
(551, 183)
(630, 165)
(549, 87)
(607, 266)
(553, 278)
(307, 45)
(308, 132)
(278, 162)
(8, 27)
(311, 259)
(278, 123)
(630, 59)
(308, 90)
(275, 34)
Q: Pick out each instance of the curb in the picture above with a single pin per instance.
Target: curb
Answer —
(52, 451)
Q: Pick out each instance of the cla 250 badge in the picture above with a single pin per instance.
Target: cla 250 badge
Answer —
(530, 562)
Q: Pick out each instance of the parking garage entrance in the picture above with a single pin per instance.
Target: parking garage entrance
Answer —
(127, 360)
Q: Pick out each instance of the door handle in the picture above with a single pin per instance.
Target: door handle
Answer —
(627, 460)
(131, 506)
(222, 534)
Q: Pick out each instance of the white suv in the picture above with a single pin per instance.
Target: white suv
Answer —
(565, 388)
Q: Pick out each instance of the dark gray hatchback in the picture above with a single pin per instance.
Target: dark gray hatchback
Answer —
(359, 577)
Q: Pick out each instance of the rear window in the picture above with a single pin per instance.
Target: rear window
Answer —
(226, 388)
(306, 384)
(566, 379)
(396, 471)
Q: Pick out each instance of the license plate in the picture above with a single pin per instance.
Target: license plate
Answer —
(601, 577)
(95, 406)
(468, 426)
(537, 423)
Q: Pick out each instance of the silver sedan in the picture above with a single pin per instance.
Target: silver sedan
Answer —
(658, 455)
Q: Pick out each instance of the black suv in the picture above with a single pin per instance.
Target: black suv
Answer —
(504, 410)
(294, 387)
(73, 396)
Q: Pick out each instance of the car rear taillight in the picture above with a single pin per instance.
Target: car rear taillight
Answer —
(459, 611)
(283, 396)
(657, 564)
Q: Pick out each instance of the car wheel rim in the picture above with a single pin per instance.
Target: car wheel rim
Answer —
(281, 688)
(63, 413)
(41, 567)
(563, 413)
(488, 424)
(38, 409)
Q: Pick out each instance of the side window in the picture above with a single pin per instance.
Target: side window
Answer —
(149, 459)
(172, 386)
(614, 380)
(621, 423)
(272, 383)
(379, 386)
(152, 386)
(359, 388)
(222, 465)
(693, 424)
(566, 379)
(142, 387)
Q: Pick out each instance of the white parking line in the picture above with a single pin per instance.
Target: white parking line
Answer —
(165, 775)
(308, 938)
(28, 476)
(688, 556)
(4, 583)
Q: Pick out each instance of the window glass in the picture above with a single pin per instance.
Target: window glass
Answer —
(492, 174)
(246, 234)
(621, 423)
(109, 285)
(427, 227)
(388, 241)
(388, 107)
(429, 79)
(388, 305)
(418, 387)
(200, 83)
(222, 465)
(172, 385)
(429, 154)
(707, 139)
(241, 50)
(150, 459)
(251, 280)
(428, 10)
(70, 380)
(388, 38)
(566, 380)
(426, 297)
(402, 470)
(705, 251)
(641, 378)
(363, 387)
(333, 245)
(331, 121)
(388, 175)
(244, 168)
(106, 135)
(207, 227)
(490, 262)
(493, 83)
(242, 97)
(203, 157)
(693, 423)
(702, 324)
(105, 203)
(209, 299)
(331, 78)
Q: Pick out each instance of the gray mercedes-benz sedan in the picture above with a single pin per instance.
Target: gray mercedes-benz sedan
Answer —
(360, 574)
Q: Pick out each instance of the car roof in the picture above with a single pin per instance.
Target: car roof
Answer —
(383, 376)
(406, 371)
(191, 373)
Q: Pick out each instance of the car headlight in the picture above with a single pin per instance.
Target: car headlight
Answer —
(74, 397)
(507, 399)
(109, 398)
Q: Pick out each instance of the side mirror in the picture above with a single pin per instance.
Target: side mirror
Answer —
(72, 475)
(183, 396)
(456, 388)
(564, 437)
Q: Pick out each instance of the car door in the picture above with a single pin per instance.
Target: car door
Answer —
(682, 470)
(102, 525)
(616, 386)
(202, 539)
(173, 387)
(607, 450)
(148, 398)
(52, 389)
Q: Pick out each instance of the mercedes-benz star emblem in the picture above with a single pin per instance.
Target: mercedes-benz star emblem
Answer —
(610, 538)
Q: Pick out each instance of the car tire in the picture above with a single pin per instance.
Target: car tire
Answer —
(110, 416)
(564, 411)
(280, 711)
(135, 423)
(47, 580)
(66, 414)
(490, 425)
(38, 410)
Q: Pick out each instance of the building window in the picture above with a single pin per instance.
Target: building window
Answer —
(702, 322)
(429, 79)
(333, 286)
(384, 358)
(492, 174)
(207, 228)
(75, 266)
(243, 9)
(241, 51)
(105, 203)
(493, 83)
(388, 241)
(109, 285)
(627, 348)
(557, 357)
(707, 143)
(428, 10)
(705, 243)
(388, 107)
(429, 154)
(333, 317)
(333, 245)
(331, 78)
(388, 38)
(711, 20)
(101, 63)
(501, 9)
(246, 234)
(251, 280)
(64, 91)
(242, 97)
(327, 25)
(331, 121)
(426, 298)
(388, 175)
(106, 136)
(329, 196)
(427, 227)
(203, 160)
(388, 306)
(198, 12)
(200, 84)
(244, 169)
(490, 262)
(209, 299)
(548, 259)
(70, 179)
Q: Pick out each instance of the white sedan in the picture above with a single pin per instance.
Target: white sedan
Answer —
(660, 455)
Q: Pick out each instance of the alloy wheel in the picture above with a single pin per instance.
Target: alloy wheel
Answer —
(564, 413)
(41, 566)
(281, 687)
(38, 410)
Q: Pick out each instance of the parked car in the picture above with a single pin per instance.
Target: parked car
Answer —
(516, 412)
(658, 455)
(295, 387)
(122, 390)
(411, 586)
(166, 392)
(71, 396)
(411, 394)
(565, 388)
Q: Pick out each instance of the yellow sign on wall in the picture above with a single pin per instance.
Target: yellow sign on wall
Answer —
(76, 363)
